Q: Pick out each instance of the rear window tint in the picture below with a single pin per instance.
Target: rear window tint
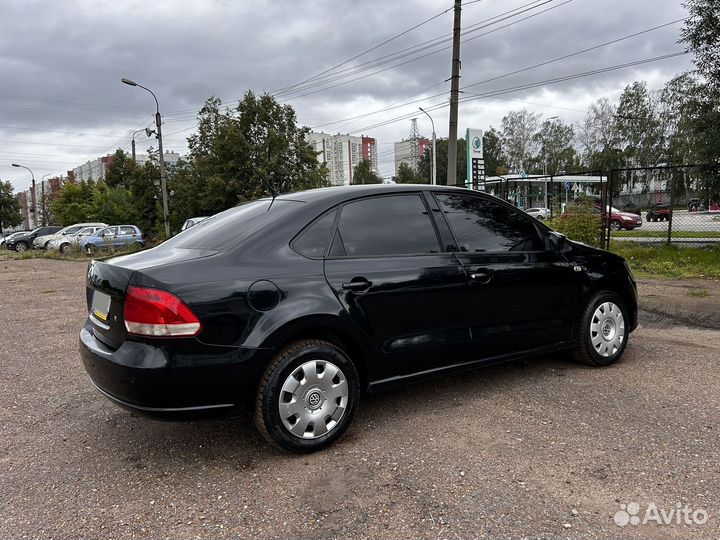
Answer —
(224, 230)
(313, 240)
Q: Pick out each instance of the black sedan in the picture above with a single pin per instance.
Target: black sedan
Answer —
(23, 242)
(296, 305)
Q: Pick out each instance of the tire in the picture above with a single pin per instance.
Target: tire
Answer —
(280, 387)
(91, 249)
(64, 249)
(616, 225)
(602, 331)
(21, 246)
(136, 246)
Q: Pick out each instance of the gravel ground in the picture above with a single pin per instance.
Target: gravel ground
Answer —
(538, 448)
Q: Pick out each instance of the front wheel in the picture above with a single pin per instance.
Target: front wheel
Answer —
(91, 249)
(307, 396)
(64, 248)
(21, 246)
(602, 332)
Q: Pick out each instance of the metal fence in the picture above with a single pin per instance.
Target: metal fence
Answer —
(675, 204)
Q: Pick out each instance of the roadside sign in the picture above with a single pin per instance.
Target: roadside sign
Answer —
(567, 186)
(475, 158)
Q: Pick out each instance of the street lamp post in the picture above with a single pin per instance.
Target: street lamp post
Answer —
(32, 193)
(434, 149)
(163, 182)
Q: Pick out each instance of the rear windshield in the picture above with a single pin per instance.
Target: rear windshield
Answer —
(224, 230)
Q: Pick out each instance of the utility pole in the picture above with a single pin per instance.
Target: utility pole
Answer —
(454, 93)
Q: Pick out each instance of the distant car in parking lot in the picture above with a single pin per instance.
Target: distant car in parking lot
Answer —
(114, 237)
(64, 243)
(192, 221)
(24, 241)
(41, 242)
(659, 212)
(10, 236)
(539, 213)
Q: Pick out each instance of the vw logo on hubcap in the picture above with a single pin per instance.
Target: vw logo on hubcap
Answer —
(314, 399)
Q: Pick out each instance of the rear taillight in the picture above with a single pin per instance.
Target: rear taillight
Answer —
(152, 312)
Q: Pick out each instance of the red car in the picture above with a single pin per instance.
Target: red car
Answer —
(621, 220)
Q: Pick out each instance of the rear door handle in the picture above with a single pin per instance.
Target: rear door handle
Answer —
(358, 285)
(481, 276)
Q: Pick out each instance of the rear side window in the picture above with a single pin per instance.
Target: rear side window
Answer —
(127, 230)
(482, 225)
(313, 240)
(388, 225)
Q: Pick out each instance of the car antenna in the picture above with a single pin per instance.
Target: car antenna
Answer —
(268, 185)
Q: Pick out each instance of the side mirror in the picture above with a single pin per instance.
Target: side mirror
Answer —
(557, 242)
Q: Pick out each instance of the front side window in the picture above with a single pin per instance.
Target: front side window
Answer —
(482, 225)
(387, 225)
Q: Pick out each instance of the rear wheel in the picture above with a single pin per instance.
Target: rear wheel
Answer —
(602, 333)
(615, 225)
(307, 396)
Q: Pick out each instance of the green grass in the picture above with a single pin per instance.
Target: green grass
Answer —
(698, 293)
(670, 262)
(663, 234)
(75, 254)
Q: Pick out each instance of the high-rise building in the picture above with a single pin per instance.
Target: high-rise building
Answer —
(342, 153)
(96, 169)
(405, 152)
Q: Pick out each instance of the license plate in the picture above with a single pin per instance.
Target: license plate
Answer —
(100, 305)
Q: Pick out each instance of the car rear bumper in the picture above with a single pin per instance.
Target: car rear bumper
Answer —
(164, 383)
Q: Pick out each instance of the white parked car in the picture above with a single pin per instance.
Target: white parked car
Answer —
(64, 243)
(539, 213)
(192, 221)
(42, 242)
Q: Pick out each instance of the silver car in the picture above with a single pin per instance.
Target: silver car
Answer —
(539, 213)
(65, 243)
(42, 242)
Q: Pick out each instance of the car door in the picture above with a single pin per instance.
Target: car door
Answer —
(109, 237)
(126, 236)
(522, 295)
(387, 269)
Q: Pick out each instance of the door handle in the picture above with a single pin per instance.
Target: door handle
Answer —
(358, 285)
(481, 276)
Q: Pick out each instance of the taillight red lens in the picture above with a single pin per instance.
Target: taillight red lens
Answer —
(152, 312)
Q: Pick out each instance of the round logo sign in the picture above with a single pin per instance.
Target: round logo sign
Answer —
(476, 143)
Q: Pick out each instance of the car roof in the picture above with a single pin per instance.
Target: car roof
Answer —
(341, 193)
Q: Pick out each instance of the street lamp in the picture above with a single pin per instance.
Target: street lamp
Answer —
(434, 156)
(147, 131)
(158, 126)
(32, 193)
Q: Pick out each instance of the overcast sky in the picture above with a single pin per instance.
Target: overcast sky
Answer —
(62, 103)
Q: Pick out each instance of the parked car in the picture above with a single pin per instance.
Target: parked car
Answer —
(539, 213)
(621, 220)
(114, 237)
(9, 236)
(192, 221)
(65, 243)
(659, 212)
(695, 205)
(24, 241)
(41, 242)
(333, 291)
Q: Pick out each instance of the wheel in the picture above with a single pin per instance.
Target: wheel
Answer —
(615, 225)
(64, 248)
(91, 250)
(307, 396)
(602, 334)
(46, 245)
(21, 246)
(655, 219)
(136, 246)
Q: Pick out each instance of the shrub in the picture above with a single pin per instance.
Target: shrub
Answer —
(579, 223)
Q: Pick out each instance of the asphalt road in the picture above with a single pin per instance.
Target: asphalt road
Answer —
(538, 448)
(685, 221)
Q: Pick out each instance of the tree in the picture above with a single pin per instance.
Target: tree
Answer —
(598, 136)
(555, 143)
(363, 174)
(9, 206)
(518, 137)
(74, 203)
(244, 153)
(425, 167)
(493, 153)
(407, 175)
(701, 35)
(638, 125)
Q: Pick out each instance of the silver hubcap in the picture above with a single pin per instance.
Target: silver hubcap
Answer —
(607, 329)
(21, 247)
(313, 399)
